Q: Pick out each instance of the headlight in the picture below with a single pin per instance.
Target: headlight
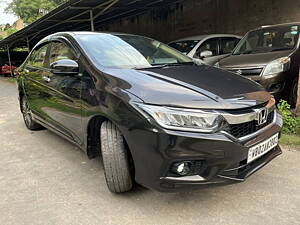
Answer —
(184, 119)
(277, 66)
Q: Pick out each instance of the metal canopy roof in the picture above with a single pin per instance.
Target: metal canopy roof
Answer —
(81, 15)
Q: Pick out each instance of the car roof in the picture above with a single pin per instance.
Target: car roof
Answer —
(279, 25)
(201, 37)
(276, 25)
(74, 33)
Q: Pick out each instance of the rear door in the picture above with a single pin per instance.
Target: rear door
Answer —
(34, 72)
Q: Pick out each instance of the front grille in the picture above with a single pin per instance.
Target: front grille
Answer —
(244, 129)
(247, 72)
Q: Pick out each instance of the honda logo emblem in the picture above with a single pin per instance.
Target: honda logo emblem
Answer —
(262, 116)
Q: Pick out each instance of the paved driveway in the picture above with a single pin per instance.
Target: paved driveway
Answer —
(46, 180)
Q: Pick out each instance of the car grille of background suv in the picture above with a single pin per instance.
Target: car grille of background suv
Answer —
(244, 129)
(247, 72)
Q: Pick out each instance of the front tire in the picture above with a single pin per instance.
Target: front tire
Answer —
(26, 112)
(115, 159)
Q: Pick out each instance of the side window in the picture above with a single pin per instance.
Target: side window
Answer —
(227, 45)
(209, 45)
(38, 57)
(60, 51)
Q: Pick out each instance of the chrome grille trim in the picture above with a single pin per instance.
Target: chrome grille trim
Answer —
(255, 133)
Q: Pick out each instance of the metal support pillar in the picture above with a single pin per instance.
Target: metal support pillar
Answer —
(9, 61)
(28, 46)
(92, 20)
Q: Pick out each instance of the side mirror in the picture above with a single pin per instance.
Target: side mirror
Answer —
(206, 54)
(65, 66)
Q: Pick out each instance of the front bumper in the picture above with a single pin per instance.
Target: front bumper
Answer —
(275, 84)
(224, 157)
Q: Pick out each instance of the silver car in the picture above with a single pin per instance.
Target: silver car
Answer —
(209, 48)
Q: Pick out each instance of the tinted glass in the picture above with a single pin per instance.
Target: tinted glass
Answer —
(184, 46)
(269, 39)
(227, 45)
(128, 51)
(209, 45)
(60, 51)
(38, 57)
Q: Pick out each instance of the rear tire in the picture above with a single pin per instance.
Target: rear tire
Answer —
(29, 122)
(115, 159)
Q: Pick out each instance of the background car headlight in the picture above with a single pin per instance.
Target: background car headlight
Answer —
(277, 66)
(184, 119)
(217, 65)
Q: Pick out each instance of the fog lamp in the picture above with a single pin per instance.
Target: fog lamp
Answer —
(181, 168)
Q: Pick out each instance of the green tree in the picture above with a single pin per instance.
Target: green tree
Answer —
(1, 37)
(31, 10)
(10, 31)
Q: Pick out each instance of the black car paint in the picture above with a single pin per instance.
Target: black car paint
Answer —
(73, 109)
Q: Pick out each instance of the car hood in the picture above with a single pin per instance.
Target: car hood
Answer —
(251, 60)
(190, 86)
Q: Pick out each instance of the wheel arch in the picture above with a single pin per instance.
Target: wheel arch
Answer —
(93, 137)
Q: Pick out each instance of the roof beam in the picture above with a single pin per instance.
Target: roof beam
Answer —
(113, 2)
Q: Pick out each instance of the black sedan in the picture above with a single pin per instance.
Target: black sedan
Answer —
(155, 116)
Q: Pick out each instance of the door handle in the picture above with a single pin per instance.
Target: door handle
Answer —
(47, 79)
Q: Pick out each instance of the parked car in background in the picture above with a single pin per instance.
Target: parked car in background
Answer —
(208, 48)
(156, 117)
(269, 55)
(7, 70)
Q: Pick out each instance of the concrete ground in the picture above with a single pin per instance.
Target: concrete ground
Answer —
(46, 180)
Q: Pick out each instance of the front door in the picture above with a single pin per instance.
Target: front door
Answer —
(64, 107)
(211, 45)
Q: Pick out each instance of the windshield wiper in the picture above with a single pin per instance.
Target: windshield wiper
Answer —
(244, 53)
(163, 65)
(281, 49)
(172, 64)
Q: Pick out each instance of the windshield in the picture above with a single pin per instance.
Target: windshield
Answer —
(129, 51)
(268, 40)
(184, 46)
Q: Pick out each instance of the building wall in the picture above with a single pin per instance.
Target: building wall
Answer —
(193, 17)
(3, 34)
(19, 24)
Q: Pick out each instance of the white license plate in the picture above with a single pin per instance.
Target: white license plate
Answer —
(262, 148)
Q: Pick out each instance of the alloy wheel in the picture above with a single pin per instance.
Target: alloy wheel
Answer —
(26, 113)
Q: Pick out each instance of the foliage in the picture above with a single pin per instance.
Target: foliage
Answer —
(1, 37)
(10, 31)
(291, 122)
(291, 140)
(31, 10)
